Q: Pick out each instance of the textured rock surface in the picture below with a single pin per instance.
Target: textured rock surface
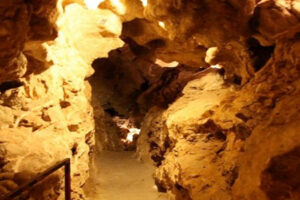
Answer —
(240, 141)
(45, 108)
(221, 142)
(185, 144)
(185, 30)
(129, 83)
(203, 139)
(228, 134)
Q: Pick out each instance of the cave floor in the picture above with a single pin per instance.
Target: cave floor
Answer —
(120, 176)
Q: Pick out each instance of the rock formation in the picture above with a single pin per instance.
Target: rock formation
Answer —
(46, 116)
(235, 139)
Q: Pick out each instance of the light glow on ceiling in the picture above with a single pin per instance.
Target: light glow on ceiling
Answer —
(93, 4)
(165, 64)
(144, 2)
(120, 7)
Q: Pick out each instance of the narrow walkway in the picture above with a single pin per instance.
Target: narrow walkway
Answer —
(120, 176)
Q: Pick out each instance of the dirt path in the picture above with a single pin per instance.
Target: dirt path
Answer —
(120, 176)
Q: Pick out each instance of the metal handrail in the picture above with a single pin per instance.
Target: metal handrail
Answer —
(66, 163)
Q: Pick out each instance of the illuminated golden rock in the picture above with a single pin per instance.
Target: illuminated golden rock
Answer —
(219, 141)
(277, 19)
(213, 84)
(46, 112)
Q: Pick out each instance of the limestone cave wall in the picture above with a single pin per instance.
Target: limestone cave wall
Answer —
(47, 48)
(233, 134)
(213, 85)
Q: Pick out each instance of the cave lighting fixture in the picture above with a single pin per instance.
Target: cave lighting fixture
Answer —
(93, 4)
(165, 64)
(162, 24)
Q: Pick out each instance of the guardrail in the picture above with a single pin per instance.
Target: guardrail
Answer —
(65, 163)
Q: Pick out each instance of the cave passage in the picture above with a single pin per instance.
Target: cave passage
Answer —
(118, 86)
(151, 99)
(119, 175)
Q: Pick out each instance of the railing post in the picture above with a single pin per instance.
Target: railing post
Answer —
(68, 180)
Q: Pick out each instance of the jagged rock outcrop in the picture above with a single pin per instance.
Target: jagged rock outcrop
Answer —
(228, 133)
(128, 83)
(235, 141)
(186, 145)
(185, 31)
(221, 142)
(46, 113)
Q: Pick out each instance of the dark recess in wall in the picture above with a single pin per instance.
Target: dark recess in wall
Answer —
(259, 54)
(9, 85)
(281, 180)
(112, 112)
